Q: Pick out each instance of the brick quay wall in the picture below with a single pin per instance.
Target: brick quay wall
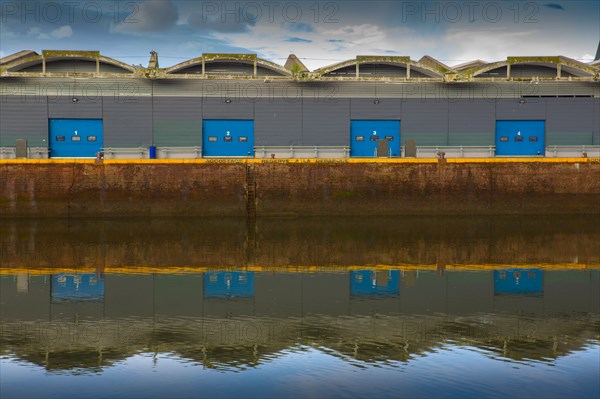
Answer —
(119, 188)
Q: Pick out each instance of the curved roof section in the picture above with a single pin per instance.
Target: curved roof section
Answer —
(389, 66)
(533, 67)
(228, 64)
(64, 61)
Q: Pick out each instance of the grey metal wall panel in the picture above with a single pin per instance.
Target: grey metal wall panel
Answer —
(109, 68)
(471, 122)
(177, 121)
(379, 70)
(64, 66)
(366, 108)
(494, 73)
(531, 109)
(596, 121)
(569, 121)
(53, 87)
(262, 71)
(425, 121)
(228, 68)
(278, 122)
(85, 107)
(127, 123)
(23, 117)
(258, 89)
(217, 108)
(326, 122)
(192, 69)
(348, 71)
(528, 71)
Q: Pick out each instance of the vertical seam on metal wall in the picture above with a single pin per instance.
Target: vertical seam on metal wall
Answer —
(47, 122)
(447, 121)
(545, 123)
(102, 118)
(302, 114)
(152, 112)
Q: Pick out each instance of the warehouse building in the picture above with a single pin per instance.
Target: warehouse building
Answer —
(79, 103)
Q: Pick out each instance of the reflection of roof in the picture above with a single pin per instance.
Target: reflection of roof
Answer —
(365, 340)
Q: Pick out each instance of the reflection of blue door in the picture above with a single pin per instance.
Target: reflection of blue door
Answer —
(374, 283)
(75, 137)
(77, 287)
(518, 281)
(364, 135)
(520, 138)
(228, 284)
(227, 138)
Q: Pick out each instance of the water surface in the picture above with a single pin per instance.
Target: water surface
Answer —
(359, 307)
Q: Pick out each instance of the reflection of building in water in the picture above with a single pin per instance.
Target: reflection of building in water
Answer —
(77, 287)
(183, 314)
(374, 283)
(228, 285)
(518, 281)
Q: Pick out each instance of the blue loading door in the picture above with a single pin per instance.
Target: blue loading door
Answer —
(520, 138)
(77, 287)
(227, 138)
(518, 281)
(228, 284)
(375, 283)
(364, 135)
(75, 137)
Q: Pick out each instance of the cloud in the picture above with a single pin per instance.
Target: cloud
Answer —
(358, 34)
(498, 43)
(324, 46)
(297, 40)
(62, 32)
(59, 33)
(149, 16)
(587, 58)
(297, 27)
(554, 6)
(225, 25)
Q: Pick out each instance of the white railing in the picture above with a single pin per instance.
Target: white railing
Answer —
(32, 152)
(564, 151)
(38, 152)
(8, 152)
(125, 153)
(456, 151)
(301, 152)
(178, 152)
(312, 152)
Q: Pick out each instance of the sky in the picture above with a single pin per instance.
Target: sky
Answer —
(320, 33)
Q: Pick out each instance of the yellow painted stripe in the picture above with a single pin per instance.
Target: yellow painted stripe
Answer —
(46, 161)
(300, 161)
(284, 269)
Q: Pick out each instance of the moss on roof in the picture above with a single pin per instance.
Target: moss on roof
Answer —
(225, 56)
(70, 53)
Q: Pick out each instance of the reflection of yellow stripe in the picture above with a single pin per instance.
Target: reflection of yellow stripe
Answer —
(299, 161)
(285, 269)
